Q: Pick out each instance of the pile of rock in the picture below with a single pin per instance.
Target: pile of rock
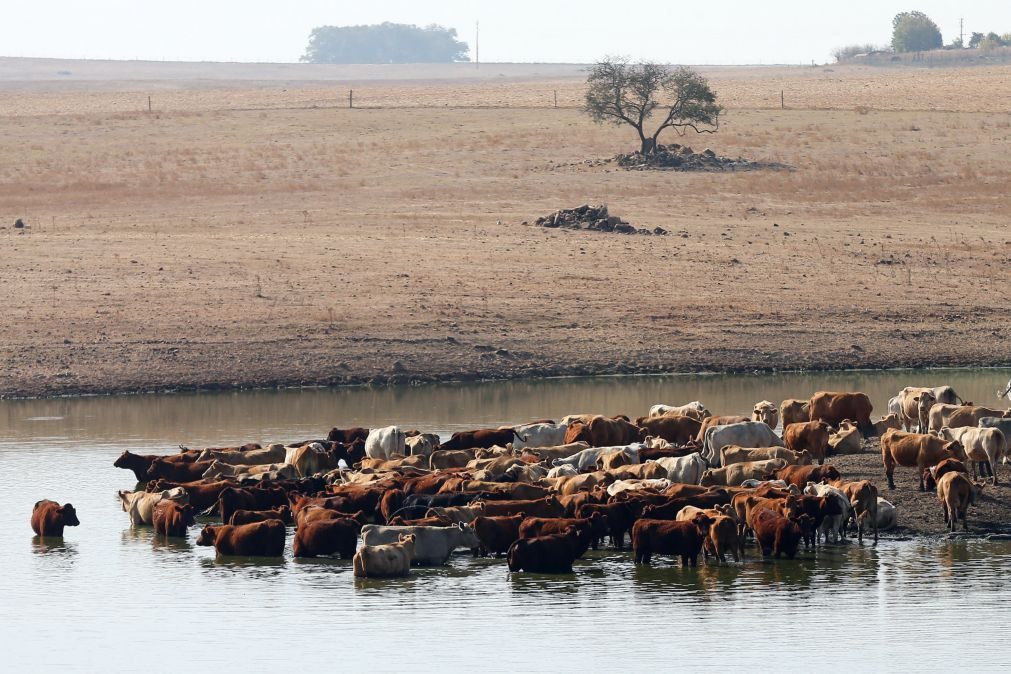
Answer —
(682, 158)
(594, 219)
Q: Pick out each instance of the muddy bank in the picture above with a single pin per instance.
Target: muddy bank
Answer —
(330, 360)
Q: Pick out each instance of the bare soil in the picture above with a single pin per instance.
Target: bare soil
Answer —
(247, 233)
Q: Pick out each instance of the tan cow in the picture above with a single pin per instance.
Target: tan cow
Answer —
(717, 421)
(767, 412)
(792, 411)
(847, 440)
(980, 444)
(887, 422)
(916, 450)
(812, 436)
(732, 454)
(734, 474)
(956, 494)
(915, 404)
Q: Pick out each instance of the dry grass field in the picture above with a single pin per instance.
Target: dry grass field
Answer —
(248, 232)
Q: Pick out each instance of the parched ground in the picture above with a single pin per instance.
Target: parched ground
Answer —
(247, 232)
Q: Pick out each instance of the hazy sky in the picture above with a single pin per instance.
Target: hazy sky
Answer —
(724, 31)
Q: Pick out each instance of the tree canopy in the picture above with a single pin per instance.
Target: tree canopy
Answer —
(915, 31)
(384, 43)
(621, 92)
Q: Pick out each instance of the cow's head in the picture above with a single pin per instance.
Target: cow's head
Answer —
(69, 515)
(189, 516)
(830, 472)
(123, 461)
(956, 449)
(207, 535)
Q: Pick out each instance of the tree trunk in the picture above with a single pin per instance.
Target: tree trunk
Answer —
(648, 145)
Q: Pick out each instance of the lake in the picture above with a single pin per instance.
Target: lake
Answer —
(111, 597)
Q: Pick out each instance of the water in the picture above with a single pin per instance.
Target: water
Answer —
(111, 597)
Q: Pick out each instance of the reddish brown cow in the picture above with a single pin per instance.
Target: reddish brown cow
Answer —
(604, 432)
(360, 498)
(956, 494)
(680, 490)
(799, 476)
(140, 463)
(483, 438)
(899, 448)
(317, 513)
(164, 468)
(650, 454)
(548, 506)
(202, 494)
(327, 537)
(777, 535)
(172, 519)
(553, 553)
(672, 507)
(812, 436)
(237, 498)
(618, 519)
(677, 430)
(49, 518)
(663, 537)
(936, 472)
(594, 527)
(833, 408)
(572, 502)
(282, 513)
(497, 534)
(260, 539)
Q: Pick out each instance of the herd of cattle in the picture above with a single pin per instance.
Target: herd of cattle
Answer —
(679, 481)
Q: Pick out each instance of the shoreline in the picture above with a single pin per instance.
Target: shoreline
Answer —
(402, 376)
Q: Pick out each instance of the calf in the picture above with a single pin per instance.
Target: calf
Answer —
(385, 561)
(956, 494)
(260, 539)
(553, 553)
(497, 534)
(327, 537)
(663, 537)
(49, 518)
(172, 518)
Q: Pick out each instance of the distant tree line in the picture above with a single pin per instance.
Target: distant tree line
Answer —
(915, 31)
(384, 43)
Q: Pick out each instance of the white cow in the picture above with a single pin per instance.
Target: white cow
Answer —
(139, 505)
(539, 435)
(981, 444)
(833, 524)
(423, 444)
(684, 469)
(586, 460)
(634, 485)
(564, 470)
(432, 546)
(382, 443)
(385, 561)
(887, 515)
(272, 454)
(743, 434)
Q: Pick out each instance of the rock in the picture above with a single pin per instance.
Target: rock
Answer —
(19, 224)
(593, 218)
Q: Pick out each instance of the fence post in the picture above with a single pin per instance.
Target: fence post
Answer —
(782, 100)
(351, 98)
(556, 98)
(149, 104)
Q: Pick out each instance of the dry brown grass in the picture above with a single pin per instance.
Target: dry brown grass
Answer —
(257, 242)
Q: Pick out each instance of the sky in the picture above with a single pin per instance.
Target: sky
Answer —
(574, 31)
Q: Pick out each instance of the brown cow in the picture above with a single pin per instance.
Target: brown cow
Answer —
(348, 435)
(777, 535)
(164, 468)
(916, 450)
(833, 408)
(595, 525)
(497, 534)
(956, 494)
(604, 432)
(202, 494)
(315, 513)
(863, 496)
(663, 537)
(544, 507)
(934, 473)
(49, 518)
(799, 476)
(325, 537)
(793, 411)
(677, 430)
(236, 498)
(812, 436)
(282, 513)
(717, 421)
(553, 553)
(618, 519)
(260, 539)
(140, 463)
(483, 438)
(171, 519)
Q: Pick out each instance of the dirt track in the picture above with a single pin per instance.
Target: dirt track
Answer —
(230, 246)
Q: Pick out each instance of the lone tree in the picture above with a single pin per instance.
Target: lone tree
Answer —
(384, 43)
(914, 31)
(621, 92)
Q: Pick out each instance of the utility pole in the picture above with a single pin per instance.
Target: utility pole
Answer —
(477, 45)
(961, 33)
